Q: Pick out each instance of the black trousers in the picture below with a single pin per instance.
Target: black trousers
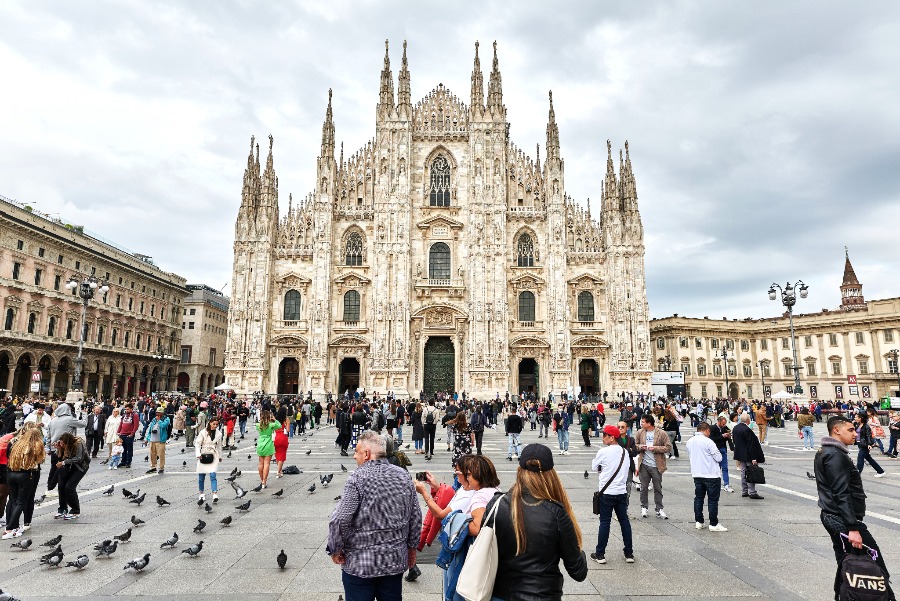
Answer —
(430, 432)
(479, 434)
(834, 526)
(69, 477)
(20, 486)
(93, 443)
(53, 475)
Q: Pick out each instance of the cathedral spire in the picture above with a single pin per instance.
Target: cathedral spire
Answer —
(386, 95)
(495, 89)
(251, 175)
(477, 98)
(552, 135)
(403, 93)
(851, 290)
(629, 188)
(327, 132)
(610, 183)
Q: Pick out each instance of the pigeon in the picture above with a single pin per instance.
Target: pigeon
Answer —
(182, 450)
(79, 563)
(56, 551)
(440, 439)
(170, 542)
(329, 478)
(40, 499)
(136, 520)
(139, 499)
(200, 526)
(254, 440)
(343, 469)
(244, 507)
(338, 498)
(226, 521)
(107, 547)
(585, 474)
(53, 541)
(199, 502)
(312, 488)
(239, 492)
(109, 491)
(257, 488)
(146, 457)
(127, 493)
(207, 508)
(308, 451)
(406, 447)
(231, 478)
(7, 596)
(138, 563)
(22, 544)
(52, 560)
(194, 550)
(278, 494)
(228, 455)
(161, 502)
(124, 537)
(248, 456)
(810, 476)
(234, 473)
(184, 464)
(281, 559)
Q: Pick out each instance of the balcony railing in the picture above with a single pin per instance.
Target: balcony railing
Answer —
(291, 324)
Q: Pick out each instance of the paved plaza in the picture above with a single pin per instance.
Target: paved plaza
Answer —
(775, 548)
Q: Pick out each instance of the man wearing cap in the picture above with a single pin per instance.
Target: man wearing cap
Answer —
(612, 465)
(157, 434)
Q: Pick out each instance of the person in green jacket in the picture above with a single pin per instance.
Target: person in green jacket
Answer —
(586, 425)
(265, 446)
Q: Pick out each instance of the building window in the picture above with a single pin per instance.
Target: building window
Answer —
(766, 369)
(37, 276)
(729, 344)
(683, 342)
(836, 368)
(10, 316)
(660, 343)
(77, 265)
(713, 343)
(190, 327)
(811, 368)
(185, 354)
(59, 260)
(137, 341)
(732, 370)
(142, 308)
(125, 342)
(701, 369)
(152, 310)
(698, 342)
(51, 326)
(353, 253)
(41, 252)
(193, 311)
(892, 363)
(807, 341)
(212, 356)
(864, 368)
(764, 345)
(526, 306)
(20, 245)
(351, 306)
(100, 334)
(57, 282)
(686, 368)
(131, 304)
(889, 335)
(586, 306)
(32, 322)
(719, 390)
(717, 369)
(70, 325)
(787, 369)
(115, 337)
(525, 251)
(784, 344)
(15, 271)
(745, 345)
(439, 195)
(860, 338)
(748, 370)
(439, 262)
(292, 306)
(832, 339)
(703, 391)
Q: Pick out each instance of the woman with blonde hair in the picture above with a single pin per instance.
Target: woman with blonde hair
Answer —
(265, 445)
(111, 432)
(25, 455)
(535, 528)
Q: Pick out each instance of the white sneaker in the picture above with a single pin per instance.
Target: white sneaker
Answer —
(661, 514)
(201, 497)
(698, 525)
(26, 528)
(9, 535)
(881, 475)
(643, 512)
(727, 488)
(718, 528)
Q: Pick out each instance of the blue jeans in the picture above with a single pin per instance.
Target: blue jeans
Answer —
(243, 426)
(563, 437)
(864, 455)
(707, 487)
(114, 461)
(383, 588)
(399, 432)
(419, 444)
(619, 504)
(808, 437)
(512, 445)
(201, 481)
(724, 465)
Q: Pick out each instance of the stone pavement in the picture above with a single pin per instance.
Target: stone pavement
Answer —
(775, 548)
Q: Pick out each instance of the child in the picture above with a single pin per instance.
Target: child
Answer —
(116, 458)
(229, 432)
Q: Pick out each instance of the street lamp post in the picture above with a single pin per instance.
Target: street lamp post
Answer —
(896, 354)
(725, 361)
(86, 288)
(789, 299)
(762, 377)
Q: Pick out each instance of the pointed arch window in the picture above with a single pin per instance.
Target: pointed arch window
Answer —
(585, 306)
(351, 306)
(10, 316)
(292, 305)
(354, 249)
(439, 195)
(526, 306)
(525, 251)
(32, 322)
(51, 326)
(439, 262)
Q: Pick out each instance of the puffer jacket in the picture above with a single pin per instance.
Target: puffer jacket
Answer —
(549, 537)
(63, 421)
(839, 483)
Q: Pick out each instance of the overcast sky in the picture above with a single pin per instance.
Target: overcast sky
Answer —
(765, 137)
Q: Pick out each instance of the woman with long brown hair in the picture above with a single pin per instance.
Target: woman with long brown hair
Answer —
(73, 464)
(463, 438)
(535, 528)
(25, 454)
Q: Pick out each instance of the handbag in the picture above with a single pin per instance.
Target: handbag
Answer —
(207, 458)
(599, 493)
(754, 474)
(476, 580)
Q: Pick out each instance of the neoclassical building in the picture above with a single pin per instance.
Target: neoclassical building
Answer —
(204, 319)
(439, 256)
(848, 352)
(131, 332)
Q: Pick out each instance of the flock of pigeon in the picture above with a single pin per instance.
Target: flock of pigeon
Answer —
(106, 548)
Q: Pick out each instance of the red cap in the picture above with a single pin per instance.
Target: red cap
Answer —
(612, 431)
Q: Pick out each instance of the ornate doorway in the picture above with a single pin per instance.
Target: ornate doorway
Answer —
(589, 376)
(440, 365)
(529, 380)
(348, 375)
(288, 376)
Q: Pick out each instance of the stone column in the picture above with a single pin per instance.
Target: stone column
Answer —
(52, 382)
(10, 379)
(101, 381)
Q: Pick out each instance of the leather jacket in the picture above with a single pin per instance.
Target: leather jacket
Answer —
(549, 536)
(839, 483)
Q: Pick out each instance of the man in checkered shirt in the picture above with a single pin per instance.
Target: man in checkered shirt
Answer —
(375, 528)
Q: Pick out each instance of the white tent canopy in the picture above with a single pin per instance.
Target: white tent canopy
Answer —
(782, 395)
(223, 386)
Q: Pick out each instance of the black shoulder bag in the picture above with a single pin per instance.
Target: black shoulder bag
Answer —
(600, 492)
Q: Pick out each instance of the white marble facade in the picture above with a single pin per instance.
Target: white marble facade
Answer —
(438, 256)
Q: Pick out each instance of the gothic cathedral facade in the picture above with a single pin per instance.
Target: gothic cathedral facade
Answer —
(438, 257)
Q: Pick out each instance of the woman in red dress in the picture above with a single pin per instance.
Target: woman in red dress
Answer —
(281, 447)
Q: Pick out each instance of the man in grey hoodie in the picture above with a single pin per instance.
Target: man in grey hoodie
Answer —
(63, 421)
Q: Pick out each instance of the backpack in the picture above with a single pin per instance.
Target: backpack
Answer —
(429, 417)
(291, 470)
(861, 579)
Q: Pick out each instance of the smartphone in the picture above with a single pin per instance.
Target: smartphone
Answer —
(420, 476)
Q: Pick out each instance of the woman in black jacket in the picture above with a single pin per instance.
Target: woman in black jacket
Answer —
(535, 528)
(73, 464)
(865, 441)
